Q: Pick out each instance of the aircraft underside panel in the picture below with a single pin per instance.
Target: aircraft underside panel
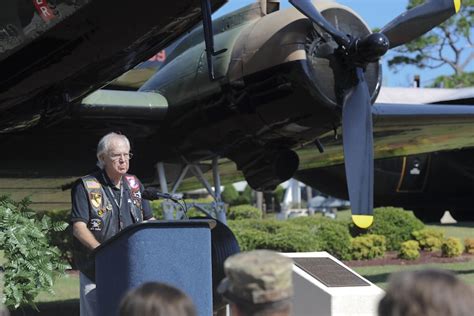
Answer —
(78, 51)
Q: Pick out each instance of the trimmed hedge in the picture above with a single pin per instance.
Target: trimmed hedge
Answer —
(157, 208)
(451, 247)
(368, 247)
(409, 250)
(243, 212)
(469, 245)
(429, 239)
(295, 235)
(272, 234)
(396, 224)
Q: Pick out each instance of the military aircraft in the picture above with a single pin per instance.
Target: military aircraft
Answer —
(427, 183)
(265, 83)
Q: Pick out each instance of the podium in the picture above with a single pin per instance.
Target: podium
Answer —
(177, 253)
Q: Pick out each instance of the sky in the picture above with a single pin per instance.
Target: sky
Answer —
(376, 13)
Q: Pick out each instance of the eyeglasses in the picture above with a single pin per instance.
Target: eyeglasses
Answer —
(116, 157)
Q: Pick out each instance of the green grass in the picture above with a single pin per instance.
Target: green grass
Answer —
(459, 230)
(379, 274)
(65, 288)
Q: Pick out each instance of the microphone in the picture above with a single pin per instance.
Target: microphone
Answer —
(152, 193)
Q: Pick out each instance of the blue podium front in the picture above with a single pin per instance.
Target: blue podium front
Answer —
(177, 253)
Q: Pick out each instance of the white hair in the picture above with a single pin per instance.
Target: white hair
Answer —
(103, 146)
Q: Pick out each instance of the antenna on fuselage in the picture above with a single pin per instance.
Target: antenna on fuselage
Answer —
(209, 37)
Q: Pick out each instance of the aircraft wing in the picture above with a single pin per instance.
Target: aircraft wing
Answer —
(400, 130)
(54, 54)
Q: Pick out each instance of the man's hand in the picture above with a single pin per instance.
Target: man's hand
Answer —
(83, 234)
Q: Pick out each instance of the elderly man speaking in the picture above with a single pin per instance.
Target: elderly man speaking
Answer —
(103, 203)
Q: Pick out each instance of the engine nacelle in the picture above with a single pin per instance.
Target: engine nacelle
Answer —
(266, 172)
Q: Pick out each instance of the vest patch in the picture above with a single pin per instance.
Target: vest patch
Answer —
(96, 199)
(132, 181)
(96, 224)
(91, 184)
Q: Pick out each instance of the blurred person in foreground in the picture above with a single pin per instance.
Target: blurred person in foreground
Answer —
(427, 293)
(258, 283)
(156, 299)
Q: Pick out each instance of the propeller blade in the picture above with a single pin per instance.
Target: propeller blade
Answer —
(419, 20)
(307, 8)
(358, 150)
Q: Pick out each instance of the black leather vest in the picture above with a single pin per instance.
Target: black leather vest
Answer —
(103, 220)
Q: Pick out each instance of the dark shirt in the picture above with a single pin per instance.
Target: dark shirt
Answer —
(80, 201)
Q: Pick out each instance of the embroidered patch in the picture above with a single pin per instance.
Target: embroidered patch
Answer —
(91, 184)
(96, 199)
(101, 212)
(95, 224)
(132, 181)
(137, 195)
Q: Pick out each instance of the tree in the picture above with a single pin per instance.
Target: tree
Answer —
(245, 197)
(465, 79)
(230, 194)
(450, 43)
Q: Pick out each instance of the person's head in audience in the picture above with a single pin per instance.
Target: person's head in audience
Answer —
(427, 293)
(156, 299)
(258, 283)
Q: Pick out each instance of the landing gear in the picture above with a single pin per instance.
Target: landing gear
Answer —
(223, 242)
(215, 209)
(429, 215)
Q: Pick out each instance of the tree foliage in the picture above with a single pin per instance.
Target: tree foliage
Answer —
(450, 43)
(465, 79)
(31, 263)
(230, 194)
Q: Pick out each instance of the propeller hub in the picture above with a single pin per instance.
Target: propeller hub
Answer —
(370, 48)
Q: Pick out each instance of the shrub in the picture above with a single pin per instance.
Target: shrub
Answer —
(396, 224)
(409, 250)
(429, 239)
(244, 212)
(271, 234)
(368, 247)
(299, 234)
(248, 238)
(157, 208)
(291, 239)
(60, 238)
(32, 264)
(451, 247)
(469, 245)
(333, 236)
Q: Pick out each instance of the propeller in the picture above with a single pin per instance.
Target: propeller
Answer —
(356, 107)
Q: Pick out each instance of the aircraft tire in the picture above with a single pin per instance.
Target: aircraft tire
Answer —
(223, 245)
(428, 215)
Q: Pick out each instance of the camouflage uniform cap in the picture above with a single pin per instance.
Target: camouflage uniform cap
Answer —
(257, 277)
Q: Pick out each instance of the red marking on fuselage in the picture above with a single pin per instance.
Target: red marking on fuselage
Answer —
(43, 9)
(161, 56)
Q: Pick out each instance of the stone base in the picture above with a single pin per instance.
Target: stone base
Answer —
(324, 286)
